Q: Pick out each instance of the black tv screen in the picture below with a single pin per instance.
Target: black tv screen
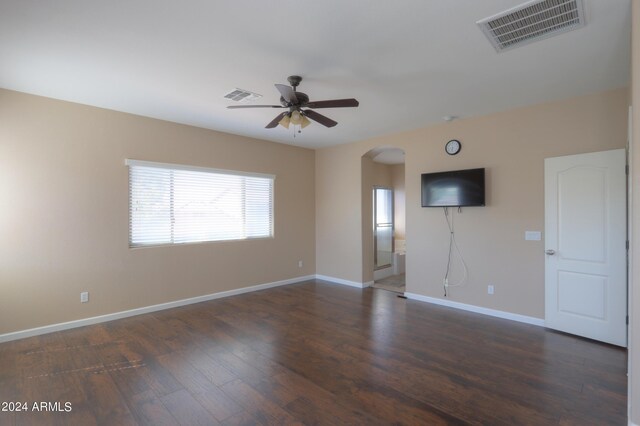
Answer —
(459, 188)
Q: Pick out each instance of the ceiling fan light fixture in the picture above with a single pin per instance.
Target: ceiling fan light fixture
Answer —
(285, 121)
(296, 117)
(305, 122)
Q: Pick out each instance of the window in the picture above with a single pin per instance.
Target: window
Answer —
(174, 204)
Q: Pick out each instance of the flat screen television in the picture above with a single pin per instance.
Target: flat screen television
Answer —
(459, 188)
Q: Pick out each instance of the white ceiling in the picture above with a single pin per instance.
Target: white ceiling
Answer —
(387, 155)
(408, 62)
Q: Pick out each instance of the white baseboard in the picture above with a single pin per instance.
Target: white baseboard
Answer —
(472, 308)
(146, 309)
(343, 282)
(477, 309)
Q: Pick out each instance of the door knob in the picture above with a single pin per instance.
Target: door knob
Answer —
(550, 252)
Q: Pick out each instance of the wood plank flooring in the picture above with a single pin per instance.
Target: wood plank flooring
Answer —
(313, 353)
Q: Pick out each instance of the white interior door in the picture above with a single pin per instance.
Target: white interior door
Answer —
(585, 238)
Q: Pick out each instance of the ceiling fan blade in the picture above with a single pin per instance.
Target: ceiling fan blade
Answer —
(325, 121)
(287, 93)
(254, 106)
(334, 103)
(276, 120)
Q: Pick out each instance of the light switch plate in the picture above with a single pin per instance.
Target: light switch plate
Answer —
(532, 235)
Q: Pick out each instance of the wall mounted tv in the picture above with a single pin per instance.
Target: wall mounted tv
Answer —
(459, 188)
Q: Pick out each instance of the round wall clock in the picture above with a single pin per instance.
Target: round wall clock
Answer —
(453, 147)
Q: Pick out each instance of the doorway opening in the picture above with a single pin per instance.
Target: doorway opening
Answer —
(382, 227)
(384, 237)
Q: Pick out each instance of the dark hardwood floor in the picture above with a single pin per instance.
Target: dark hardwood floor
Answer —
(313, 353)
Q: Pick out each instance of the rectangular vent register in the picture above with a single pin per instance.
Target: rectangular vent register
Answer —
(532, 21)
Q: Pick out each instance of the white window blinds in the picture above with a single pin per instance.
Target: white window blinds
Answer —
(174, 204)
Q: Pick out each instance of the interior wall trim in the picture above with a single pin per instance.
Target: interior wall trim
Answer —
(477, 309)
(343, 282)
(143, 310)
(177, 303)
(463, 306)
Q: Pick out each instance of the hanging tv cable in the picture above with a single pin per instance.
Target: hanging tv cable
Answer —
(453, 248)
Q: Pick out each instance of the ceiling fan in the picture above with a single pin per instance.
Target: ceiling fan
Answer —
(294, 101)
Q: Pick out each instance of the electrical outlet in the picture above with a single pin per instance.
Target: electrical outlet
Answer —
(490, 289)
(299, 263)
(84, 297)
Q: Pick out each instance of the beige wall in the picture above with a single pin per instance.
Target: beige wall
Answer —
(64, 213)
(371, 175)
(634, 302)
(399, 200)
(339, 212)
(512, 146)
(382, 175)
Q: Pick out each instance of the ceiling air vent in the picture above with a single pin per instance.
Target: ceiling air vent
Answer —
(240, 95)
(532, 21)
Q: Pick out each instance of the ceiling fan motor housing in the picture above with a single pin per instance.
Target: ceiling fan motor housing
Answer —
(302, 98)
